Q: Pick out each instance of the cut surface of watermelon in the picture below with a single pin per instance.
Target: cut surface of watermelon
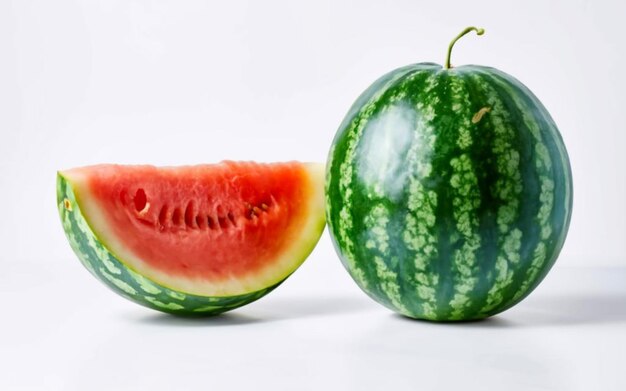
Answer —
(218, 230)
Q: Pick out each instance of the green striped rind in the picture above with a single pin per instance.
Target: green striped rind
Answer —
(449, 192)
(126, 282)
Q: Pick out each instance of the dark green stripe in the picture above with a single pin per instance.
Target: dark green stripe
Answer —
(559, 172)
(529, 205)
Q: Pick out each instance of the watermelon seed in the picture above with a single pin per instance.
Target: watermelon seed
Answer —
(163, 216)
(140, 200)
(67, 204)
(222, 222)
(189, 220)
(210, 222)
(177, 217)
(200, 222)
(264, 207)
(232, 219)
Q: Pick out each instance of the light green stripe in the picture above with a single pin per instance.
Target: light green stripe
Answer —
(118, 283)
(461, 105)
(145, 284)
(418, 234)
(176, 295)
(377, 242)
(165, 306)
(465, 202)
(508, 188)
(111, 266)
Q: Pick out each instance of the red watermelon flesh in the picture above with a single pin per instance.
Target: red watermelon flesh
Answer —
(213, 230)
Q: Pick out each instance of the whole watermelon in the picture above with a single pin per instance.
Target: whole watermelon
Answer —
(448, 191)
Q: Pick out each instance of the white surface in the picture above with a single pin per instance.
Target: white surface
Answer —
(180, 82)
(68, 332)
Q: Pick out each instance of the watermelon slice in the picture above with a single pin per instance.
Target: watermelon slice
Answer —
(195, 239)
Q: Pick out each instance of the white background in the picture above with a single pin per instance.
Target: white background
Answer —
(184, 82)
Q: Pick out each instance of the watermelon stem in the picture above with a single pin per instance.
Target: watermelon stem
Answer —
(479, 31)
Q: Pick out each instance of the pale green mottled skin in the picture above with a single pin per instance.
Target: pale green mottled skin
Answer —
(449, 191)
(126, 282)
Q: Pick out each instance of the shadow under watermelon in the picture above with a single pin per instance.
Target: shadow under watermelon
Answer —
(226, 319)
(266, 310)
(283, 308)
(599, 308)
(551, 310)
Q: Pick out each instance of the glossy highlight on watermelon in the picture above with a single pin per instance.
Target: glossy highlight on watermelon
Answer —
(449, 191)
(195, 239)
